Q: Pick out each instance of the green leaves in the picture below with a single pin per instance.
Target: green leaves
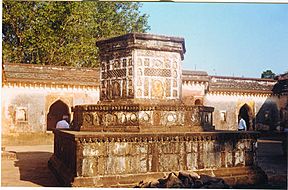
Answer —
(64, 33)
(268, 74)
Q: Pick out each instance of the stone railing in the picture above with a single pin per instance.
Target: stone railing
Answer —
(122, 159)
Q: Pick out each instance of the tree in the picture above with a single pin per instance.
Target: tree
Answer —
(268, 74)
(64, 33)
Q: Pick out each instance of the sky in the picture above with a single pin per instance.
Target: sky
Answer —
(226, 39)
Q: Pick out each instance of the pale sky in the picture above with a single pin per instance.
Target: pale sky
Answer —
(229, 39)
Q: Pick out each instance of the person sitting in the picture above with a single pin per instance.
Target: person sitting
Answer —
(242, 125)
(63, 124)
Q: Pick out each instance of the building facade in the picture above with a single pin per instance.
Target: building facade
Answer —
(35, 97)
(252, 99)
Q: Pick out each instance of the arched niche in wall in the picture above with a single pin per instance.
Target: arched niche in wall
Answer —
(245, 112)
(56, 112)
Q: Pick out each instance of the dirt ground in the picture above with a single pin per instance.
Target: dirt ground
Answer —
(29, 167)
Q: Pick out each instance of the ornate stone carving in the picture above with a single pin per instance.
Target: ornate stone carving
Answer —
(124, 62)
(175, 75)
(110, 119)
(157, 89)
(129, 61)
(157, 63)
(171, 117)
(146, 87)
(131, 92)
(133, 117)
(139, 72)
(116, 73)
(175, 93)
(130, 71)
(116, 90)
(117, 64)
(121, 118)
(139, 81)
(175, 65)
(157, 72)
(144, 116)
(124, 88)
(146, 62)
(87, 119)
(168, 88)
(139, 92)
(96, 119)
(139, 62)
(174, 83)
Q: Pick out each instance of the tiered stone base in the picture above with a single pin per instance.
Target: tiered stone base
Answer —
(91, 159)
(142, 117)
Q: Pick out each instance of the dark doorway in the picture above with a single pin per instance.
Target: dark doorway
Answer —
(244, 112)
(56, 112)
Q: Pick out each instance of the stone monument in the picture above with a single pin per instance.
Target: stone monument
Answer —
(141, 88)
(140, 127)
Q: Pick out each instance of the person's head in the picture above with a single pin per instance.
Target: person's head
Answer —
(66, 118)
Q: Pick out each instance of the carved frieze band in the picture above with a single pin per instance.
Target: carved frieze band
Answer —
(137, 107)
(212, 136)
(116, 118)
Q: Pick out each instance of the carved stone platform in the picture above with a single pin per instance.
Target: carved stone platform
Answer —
(92, 159)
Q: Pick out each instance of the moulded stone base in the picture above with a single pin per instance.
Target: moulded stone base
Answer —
(92, 159)
(235, 176)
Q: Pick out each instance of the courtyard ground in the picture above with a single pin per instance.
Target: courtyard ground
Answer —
(26, 166)
(29, 168)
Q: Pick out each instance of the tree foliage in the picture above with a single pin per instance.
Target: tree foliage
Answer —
(64, 33)
(268, 74)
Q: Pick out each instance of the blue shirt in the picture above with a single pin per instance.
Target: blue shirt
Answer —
(242, 124)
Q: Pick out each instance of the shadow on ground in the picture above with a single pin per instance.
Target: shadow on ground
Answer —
(273, 161)
(33, 167)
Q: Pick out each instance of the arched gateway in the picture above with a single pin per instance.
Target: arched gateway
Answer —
(56, 112)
